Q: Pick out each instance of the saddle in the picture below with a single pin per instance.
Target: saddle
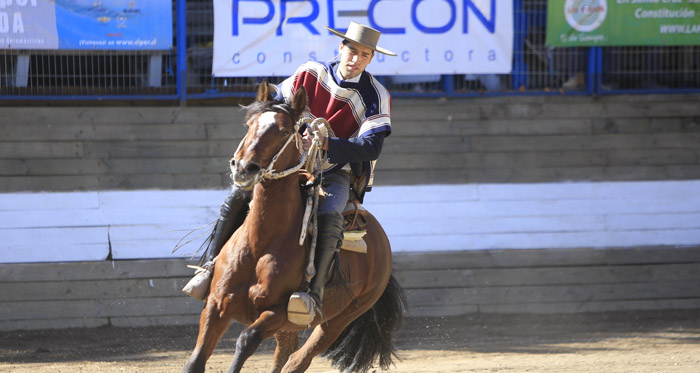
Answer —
(355, 227)
(354, 216)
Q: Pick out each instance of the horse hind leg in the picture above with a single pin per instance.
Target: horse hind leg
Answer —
(212, 325)
(366, 334)
(320, 339)
(287, 343)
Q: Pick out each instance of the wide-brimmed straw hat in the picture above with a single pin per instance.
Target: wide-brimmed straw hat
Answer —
(363, 35)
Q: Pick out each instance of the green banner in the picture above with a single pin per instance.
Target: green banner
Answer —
(580, 23)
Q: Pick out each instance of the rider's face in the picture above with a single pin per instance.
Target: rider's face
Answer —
(354, 59)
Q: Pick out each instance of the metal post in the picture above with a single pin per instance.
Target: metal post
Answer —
(595, 70)
(181, 41)
(519, 72)
(448, 83)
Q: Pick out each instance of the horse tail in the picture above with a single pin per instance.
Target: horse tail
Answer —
(371, 336)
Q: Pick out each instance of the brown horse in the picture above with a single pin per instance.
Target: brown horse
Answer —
(262, 264)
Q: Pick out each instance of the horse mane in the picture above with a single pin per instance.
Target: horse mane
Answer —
(277, 106)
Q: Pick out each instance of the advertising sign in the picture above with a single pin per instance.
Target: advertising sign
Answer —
(272, 38)
(578, 23)
(86, 24)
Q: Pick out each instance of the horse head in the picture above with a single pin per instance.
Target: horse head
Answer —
(272, 125)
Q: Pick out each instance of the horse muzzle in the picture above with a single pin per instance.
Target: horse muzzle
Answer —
(245, 173)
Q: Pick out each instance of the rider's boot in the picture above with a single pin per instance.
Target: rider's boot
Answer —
(231, 216)
(302, 306)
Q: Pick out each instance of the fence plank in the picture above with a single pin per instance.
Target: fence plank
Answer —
(162, 198)
(384, 175)
(580, 307)
(102, 270)
(554, 293)
(47, 201)
(147, 149)
(541, 208)
(41, 149)
(54, 244)
(54, 323)
(446, 127)
(503, 277)
(139, 307)
(94, 289)
(494, 159)
(152, 249)
(51, 218)
(108, 181)
(57, 252)
(439, 310)
(480, 241)
(173, 165)
(545, 258)
(444, 225)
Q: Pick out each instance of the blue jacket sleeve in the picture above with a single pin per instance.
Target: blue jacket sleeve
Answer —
(358, 149)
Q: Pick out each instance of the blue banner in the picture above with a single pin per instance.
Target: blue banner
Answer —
(86, 24)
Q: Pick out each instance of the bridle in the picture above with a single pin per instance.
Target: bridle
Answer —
(269, 173)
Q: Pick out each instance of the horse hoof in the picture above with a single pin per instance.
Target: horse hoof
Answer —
(301, 310)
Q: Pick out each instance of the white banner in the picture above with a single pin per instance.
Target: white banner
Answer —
(273, 37)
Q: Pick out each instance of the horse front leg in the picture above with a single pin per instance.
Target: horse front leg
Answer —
(212, 325)
(266, 325)
(287, 343)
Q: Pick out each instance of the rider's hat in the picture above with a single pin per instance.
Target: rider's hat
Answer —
(364, 35)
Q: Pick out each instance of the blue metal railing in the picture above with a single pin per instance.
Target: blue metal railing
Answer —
(181, 35)
(184, 73)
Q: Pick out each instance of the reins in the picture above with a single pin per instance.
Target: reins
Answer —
(319, 128)
(312, 162)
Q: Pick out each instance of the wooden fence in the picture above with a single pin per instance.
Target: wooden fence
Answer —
(485, 140)
(147, 292)
(627, 254)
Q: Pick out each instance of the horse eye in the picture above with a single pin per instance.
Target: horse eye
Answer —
(284, 133)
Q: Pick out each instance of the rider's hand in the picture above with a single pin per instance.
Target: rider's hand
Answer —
(306, 140)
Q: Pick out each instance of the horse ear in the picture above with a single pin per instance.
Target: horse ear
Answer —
(299, 100)
(263, 91)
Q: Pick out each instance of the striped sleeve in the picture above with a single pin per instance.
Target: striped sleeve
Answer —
(378, 109)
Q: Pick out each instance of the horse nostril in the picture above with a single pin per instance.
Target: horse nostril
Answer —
(252, 168)
(235, 165)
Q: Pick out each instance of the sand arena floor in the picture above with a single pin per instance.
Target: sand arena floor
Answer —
(602, 342)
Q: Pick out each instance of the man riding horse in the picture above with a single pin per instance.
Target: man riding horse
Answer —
(357, 108)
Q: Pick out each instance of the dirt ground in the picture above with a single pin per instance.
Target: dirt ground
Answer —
(604, 342)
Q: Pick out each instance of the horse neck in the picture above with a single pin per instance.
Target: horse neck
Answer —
(275, 209)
